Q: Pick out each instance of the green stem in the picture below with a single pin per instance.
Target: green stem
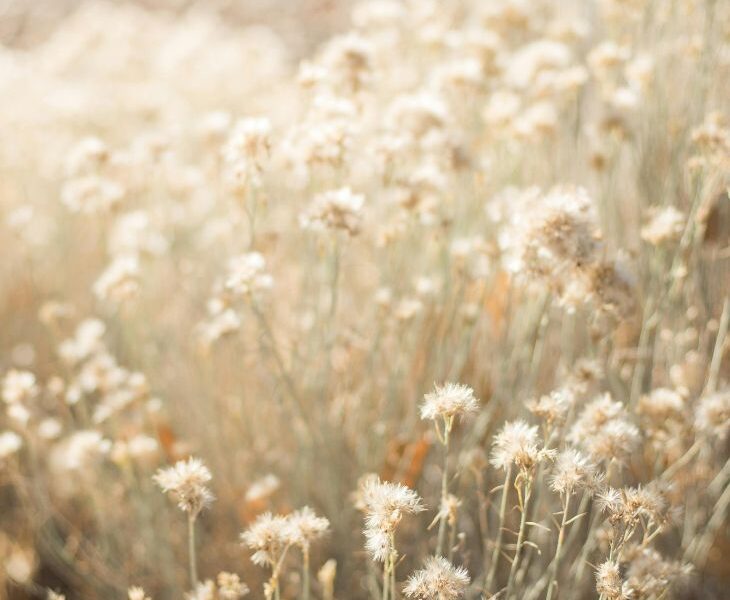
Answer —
(191, 552)
(520, 540)
(386, 578)
(556, 561)
(500, 532)
(718, 350)
(444, 489)
(305, 574)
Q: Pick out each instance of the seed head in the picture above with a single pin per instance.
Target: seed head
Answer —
(517, 444)
(10, 443)
(385, 504)
(136, 593)
(713, 415)
(230, 586)
(269, 535)
(335, 209)
(186, 483)
(438, 580)
(448, 401)
(573, 470)
(19, 387)
(247, 274)
(608, 582)
(307, 527)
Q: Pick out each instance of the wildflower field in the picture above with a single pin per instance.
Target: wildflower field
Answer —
(377, 300)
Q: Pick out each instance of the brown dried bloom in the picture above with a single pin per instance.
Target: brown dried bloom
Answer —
(649, 574)
(663, 412)
(628, 504)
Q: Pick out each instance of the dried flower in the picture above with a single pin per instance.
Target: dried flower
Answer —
(19, 387)
(137, 593)
(385, 505)
(573, 470)
(269, 536)
(448, 401)
(249, 142)
(205, 590)
(666, 225)
(10, 443)
(246, 274)
(517, 443)
(336, 209)
(186, 483)
(553, 407)
(307, 527)
(603, 430)
(713, 415)
(609, 583)
(438, 580)
(120, 280)
(230, 586)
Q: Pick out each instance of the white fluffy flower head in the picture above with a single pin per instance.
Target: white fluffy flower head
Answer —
(448, 401)
(186, 483)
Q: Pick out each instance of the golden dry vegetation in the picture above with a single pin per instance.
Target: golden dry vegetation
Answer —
(390, 300)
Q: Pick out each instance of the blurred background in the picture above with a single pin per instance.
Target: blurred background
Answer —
(302, 23)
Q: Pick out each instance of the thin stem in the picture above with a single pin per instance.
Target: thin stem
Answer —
(393, 588)
(305, 573)
(452, 540)
(682, 460)
(556, 561)
(444, 489)
(520, 539)
(500, 533)
(393, 559)
(191, 551)
(483, 518)
(698, 549)
(283, 372)
(274, 581)
(718, 350)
